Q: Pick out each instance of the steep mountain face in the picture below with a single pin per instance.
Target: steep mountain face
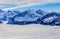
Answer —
(27, 16)
(30, 17)
(51, 19)
(10, 14)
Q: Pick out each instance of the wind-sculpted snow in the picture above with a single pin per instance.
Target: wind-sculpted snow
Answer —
(30, 17)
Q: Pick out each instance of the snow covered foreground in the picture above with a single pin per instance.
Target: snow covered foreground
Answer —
(33, 31)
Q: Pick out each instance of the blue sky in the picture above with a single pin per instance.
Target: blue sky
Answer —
(54, 7)
(51, 7)
(45, 5)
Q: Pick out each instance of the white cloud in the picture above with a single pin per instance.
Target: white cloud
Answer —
(27, 1)
(21, 6)
(50, 1)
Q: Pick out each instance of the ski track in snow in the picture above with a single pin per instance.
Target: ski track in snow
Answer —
(32, 31)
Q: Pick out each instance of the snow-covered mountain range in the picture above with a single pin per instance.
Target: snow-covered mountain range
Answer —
(30, 17)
